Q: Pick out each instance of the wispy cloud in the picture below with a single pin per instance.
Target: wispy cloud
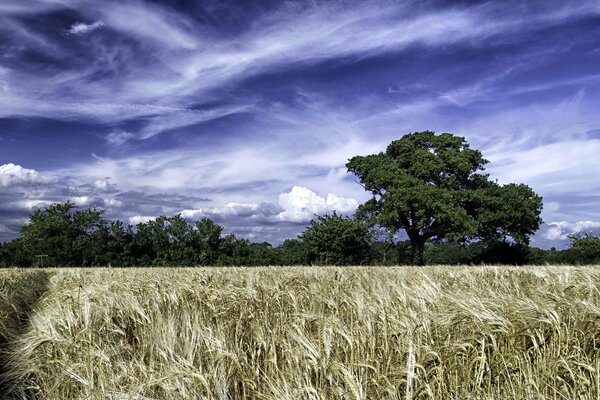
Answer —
(189, 59)
(80, 28)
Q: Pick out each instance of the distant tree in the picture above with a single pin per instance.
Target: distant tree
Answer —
(151, 242)
(499, 252)
(336, 240)
(14, 254)
(62, 233)
(112, 245)
(173, 241)
(263, 254)
(292, 252)
(227, 249)
(448, 253)
(536, 256)
(432, 187)
(209, 241)
(585, 248)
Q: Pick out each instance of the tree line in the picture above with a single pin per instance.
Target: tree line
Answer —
(69, 237)
(431, 187)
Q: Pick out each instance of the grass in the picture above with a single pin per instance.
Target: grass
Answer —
(309, 333)
(19, 292)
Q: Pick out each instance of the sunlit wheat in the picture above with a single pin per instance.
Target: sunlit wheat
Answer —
(311, 333)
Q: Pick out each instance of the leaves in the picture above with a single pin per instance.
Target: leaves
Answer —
(432, 186)
(336, 240)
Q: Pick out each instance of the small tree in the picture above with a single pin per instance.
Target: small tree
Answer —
(336, 240)
(209, 240)
(585, 248)
(432, 187)
(292, 252)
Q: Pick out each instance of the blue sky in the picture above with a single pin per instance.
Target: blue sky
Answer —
(246, 112)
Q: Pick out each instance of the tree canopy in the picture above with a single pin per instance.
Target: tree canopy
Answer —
(433, 187)
(336, 240)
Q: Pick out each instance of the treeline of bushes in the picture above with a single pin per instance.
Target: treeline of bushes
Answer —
(61, 235)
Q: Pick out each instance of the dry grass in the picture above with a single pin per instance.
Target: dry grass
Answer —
(314, 333)
(19, 290)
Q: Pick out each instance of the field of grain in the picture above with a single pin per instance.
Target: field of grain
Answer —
(302, 333)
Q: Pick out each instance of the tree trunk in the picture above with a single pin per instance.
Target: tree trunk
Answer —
(418, 248)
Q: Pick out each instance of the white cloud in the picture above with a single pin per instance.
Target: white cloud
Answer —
(111, 202)
(560, 230)
(80, 28)
(232, 209)
(301, 204)
(298, 205)
(104, 185)
(151, 22)
(195, 59)
(13, 174)
(240, 209)
(561, 167)
(192, 214)
(30, 204)
(140, 219)
(81, 201)
(117, 138)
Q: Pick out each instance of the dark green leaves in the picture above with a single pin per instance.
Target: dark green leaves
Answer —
(432, 186)
(336, 240)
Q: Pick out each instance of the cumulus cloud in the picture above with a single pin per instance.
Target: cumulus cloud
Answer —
(233, 209)
(298, 205)
(302, 204)
(13, 174)
(560, 230)
(104, 185)
(81, 200)
(140, 219)
(24, 190)
(193, 214)
(90, 201)
(80, 28)
(28, 204)
(112, 202)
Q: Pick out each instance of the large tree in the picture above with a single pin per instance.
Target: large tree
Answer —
(433, 187)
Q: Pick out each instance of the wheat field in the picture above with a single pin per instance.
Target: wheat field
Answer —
(301, 333)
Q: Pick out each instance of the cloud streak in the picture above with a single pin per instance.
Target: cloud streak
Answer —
(80, 28)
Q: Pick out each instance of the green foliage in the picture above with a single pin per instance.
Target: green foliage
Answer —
(336, 240)
(84, 238)
(244, 252)
(14, 254)
(66, 236)
(432, 187)
(508, 212)
(449, 252)
(207, 236)
(585, 248)
(292, 252)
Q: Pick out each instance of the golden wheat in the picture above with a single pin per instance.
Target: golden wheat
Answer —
(312, 333)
